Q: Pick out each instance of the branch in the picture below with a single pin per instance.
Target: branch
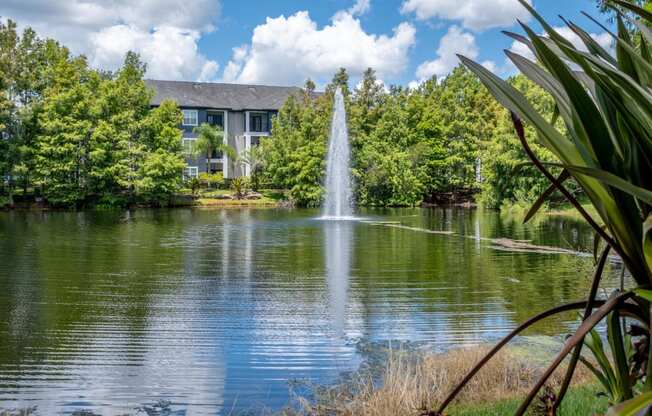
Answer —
(572, 342)
(520, 131)
(550, 312)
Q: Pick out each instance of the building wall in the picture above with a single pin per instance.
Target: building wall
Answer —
(237, 137)
(236, 131)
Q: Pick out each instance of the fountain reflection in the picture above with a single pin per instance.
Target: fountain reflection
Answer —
(338, 262)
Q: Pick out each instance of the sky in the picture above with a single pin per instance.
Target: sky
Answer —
(285, 42)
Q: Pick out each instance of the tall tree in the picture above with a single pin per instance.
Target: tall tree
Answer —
(159, 173)
(504, 153)
(294, 153)
(116, 147)
(341, 80)
(211, 139)
(66, 124)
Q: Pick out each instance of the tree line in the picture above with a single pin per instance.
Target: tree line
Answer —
(74, 135)
(446, 137)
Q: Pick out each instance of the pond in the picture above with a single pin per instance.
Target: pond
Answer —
(208, 312)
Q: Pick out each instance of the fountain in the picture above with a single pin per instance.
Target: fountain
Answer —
(338, 204)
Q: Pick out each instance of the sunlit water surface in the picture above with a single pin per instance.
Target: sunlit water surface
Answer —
(217, 311)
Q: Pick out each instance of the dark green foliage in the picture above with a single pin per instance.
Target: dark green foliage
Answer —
(77, 135)
(294, 154)
(606, 146)
(407, 145)
(506, 178)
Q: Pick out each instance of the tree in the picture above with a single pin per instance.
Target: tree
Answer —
(80, 135)
(25, 71)
(504, 153)
(66, 122)
(116, 143)
(341, 80)
(294, 153)
(254, 159)
(211, 139)
(159, 175)
(367, 106)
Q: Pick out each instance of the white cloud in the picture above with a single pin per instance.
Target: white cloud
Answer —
(473, 14)
(455, 41)
(164, 32)
(360, 7)
(170, 52)
(490, 65)
(288, 50)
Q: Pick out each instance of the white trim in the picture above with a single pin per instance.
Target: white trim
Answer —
(191, 141)
(191, 172)
(247, 167)
(265, 114)
(225, 158)
(196, 112)
(247, 122)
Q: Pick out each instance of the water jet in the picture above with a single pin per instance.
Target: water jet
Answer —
(338, 202)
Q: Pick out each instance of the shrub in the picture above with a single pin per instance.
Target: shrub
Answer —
(211, 180)
(605, 103)
(240, 186)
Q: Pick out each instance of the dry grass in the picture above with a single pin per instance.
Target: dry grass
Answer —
(409, 385)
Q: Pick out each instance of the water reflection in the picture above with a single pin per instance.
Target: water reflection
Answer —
(337, 243)
(216, 310)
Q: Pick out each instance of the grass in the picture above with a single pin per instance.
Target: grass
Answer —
(518, 210)
(567, 210)
(409, 384)
(579, 401)
(223, 197)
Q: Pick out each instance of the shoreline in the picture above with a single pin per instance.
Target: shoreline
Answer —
(406, 381)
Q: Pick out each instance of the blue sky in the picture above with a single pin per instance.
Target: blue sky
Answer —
(285, 41)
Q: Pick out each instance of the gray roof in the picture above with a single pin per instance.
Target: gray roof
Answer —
(221, 96)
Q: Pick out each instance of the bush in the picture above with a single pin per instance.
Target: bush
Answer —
(240, 186)
(211, 180)
(5, 201)
(194, 184)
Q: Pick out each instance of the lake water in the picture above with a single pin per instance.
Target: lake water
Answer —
(216, 311)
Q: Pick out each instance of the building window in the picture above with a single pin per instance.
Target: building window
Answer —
(190, 172)
(190, 117)
(255, 141)
(215, 119)
(188, 144)
(258, 122)
(217, 167)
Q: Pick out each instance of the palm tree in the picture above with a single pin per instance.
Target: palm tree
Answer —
(253, 158)
(211, 139)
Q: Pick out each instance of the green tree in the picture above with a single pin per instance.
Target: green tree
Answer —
(254, 159)
(211, 139)
(115, 147)
(66, 122)
(366, 108)
(503, 154)
(160, 174)
(294, 153)
(341, 80)
(459, 118)
(388, 165)
(26, 64)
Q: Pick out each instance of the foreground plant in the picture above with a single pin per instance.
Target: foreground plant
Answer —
(605, 103)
